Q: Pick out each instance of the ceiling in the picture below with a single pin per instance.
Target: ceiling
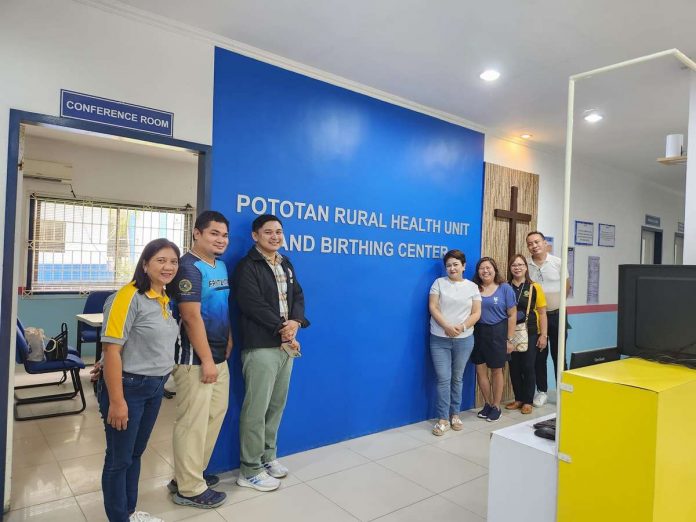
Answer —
(432, 52)
(111, 142)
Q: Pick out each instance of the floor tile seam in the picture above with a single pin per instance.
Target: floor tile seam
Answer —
(13, 509)
(413, 436)
(456, 485)
(40, 503)
(407, 478)
(333, 472)
(353, 515)
(100, 452)
(163, 457)
(463, 507)
(465, 482)
(404, 507)
(260, 495)
(463, 457)
(391, 454)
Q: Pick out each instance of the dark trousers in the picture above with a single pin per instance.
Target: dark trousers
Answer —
(552, 346)
(522, 372)
(124, 448)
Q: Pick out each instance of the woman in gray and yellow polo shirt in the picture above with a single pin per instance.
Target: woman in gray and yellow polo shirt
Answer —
(138, 340)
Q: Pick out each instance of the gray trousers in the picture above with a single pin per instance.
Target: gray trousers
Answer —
(266, 381)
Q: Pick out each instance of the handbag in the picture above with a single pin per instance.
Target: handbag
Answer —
(57, 347)
(35, 338)
(520, 339)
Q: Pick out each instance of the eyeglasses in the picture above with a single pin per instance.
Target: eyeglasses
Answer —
(518, 265)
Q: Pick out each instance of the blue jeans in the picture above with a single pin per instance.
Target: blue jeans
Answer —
(450, 356)
(124, 448)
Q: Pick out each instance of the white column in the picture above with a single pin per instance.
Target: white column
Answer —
(690, 195)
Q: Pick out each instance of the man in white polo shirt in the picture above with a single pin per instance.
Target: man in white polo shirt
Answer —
(545, 269)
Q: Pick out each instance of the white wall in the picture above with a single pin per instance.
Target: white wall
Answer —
(115, 175)
(599, 194)
(47, 46)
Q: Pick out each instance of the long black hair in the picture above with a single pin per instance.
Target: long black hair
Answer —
(140, 278)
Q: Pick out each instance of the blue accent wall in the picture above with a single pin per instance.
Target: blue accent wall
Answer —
(280, 135)
(589, 331)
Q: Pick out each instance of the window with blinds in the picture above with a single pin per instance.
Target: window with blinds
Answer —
(79, 246)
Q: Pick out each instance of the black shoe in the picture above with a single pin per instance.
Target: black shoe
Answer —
(494, 414)
(483, 414)
(548, 423)
(546, 433)
(169, 394)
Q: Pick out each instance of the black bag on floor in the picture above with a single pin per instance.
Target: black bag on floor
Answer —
(57, 347)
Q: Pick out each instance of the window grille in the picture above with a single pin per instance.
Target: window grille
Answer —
(80, 246)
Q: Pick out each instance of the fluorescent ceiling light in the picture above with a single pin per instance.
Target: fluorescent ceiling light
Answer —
(593, 116)
(490, 75)
(525, 136)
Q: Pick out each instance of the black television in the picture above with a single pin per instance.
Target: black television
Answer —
(657, 313)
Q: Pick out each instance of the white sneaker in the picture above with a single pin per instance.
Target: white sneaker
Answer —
(261, 482)
(141, 516)
(540, 399)
(276, 469)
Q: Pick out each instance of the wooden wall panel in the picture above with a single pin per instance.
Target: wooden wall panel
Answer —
(498, 182)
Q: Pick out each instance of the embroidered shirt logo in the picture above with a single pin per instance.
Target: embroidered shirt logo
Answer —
(185, 285)
(495, 300)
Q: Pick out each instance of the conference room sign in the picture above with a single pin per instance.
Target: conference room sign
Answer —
(87, 107)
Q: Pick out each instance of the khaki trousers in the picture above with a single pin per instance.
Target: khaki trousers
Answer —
(266, 381)
(200, 410)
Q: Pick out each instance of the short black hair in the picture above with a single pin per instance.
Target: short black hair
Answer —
(534, 233)
(207, 216)
(140, 278)
(262, 220)
(454, 254)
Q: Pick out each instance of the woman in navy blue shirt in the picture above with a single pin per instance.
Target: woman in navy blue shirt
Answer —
(492, 334)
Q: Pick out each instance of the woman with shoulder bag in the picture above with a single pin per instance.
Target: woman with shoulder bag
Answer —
(531, 312)
(139, 339)
(455, 306)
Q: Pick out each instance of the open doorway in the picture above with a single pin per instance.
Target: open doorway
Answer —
(80, 199)
(650, 246)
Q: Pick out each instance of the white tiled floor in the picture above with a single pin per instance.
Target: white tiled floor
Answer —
(400, 475)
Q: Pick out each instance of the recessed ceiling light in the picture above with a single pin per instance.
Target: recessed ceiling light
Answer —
(490, 75)
(593, 116)
(525, 136)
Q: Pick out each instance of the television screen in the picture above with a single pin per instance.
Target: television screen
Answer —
(657, 312)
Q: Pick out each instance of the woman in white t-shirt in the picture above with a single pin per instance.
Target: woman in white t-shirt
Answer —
(455, 306)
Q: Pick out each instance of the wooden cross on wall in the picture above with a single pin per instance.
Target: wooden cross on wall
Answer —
(514, 218)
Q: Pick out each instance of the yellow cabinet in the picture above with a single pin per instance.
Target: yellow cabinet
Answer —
(628, 443)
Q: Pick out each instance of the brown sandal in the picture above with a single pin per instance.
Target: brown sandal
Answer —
(516, 405)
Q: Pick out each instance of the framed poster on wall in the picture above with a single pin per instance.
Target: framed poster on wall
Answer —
(606, 235)
(584, 233)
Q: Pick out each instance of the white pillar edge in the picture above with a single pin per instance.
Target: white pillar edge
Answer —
(690, 184)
